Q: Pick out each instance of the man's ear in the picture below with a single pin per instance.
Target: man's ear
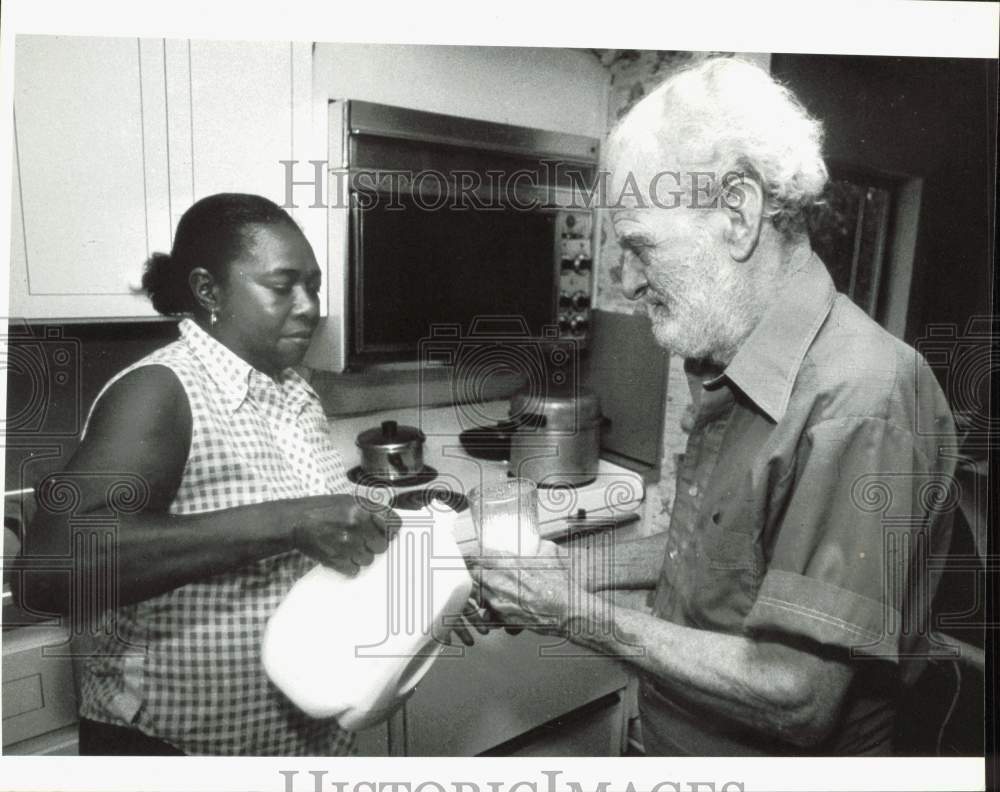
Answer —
(205, 289)
(742, 199)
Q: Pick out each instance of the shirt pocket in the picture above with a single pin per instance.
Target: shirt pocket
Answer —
(725, 546)
(723, 590)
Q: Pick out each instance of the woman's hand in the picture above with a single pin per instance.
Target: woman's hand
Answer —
(342, 531)
(472, 617)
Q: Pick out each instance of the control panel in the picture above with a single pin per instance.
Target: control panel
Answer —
(574, 254)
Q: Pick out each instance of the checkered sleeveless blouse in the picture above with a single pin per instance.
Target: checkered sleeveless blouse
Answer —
(185, 666)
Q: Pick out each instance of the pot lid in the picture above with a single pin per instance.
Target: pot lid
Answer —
(390, 433)
(563, 407)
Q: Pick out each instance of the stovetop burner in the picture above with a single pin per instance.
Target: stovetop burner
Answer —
(357, 475)
(412, 500)
(487, 442)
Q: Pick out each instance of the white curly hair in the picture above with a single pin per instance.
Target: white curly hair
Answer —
(724, 115)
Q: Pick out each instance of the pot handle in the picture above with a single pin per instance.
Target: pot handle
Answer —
(397, 462)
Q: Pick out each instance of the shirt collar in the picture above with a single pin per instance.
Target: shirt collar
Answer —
(234, 377)
(767, 363)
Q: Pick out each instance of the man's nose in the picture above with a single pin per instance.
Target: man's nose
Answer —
(634, 283)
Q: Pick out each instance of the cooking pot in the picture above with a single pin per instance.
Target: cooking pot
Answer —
(391, 451)
(556, 439)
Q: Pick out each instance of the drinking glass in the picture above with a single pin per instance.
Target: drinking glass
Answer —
(505, 515)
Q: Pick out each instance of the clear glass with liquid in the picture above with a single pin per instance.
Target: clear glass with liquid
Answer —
(505, 515)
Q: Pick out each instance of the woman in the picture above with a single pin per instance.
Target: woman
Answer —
(236, 493)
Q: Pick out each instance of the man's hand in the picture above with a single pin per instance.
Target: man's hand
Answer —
(536, 593)
(342, 531)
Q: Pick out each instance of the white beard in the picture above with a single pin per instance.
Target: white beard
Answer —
(710, 308)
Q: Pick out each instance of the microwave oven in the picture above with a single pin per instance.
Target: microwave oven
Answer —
(439, 224)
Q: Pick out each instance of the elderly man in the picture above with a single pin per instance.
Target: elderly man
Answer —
(788, 605)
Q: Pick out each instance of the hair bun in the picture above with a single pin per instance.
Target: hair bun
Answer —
(214, 232)
(169, 297)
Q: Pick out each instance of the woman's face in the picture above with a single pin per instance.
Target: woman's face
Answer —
(269, 304)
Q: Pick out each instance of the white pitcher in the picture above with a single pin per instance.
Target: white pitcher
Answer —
(355, 647)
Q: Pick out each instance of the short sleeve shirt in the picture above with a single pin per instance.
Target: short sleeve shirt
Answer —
(808, 502)
(185, 666)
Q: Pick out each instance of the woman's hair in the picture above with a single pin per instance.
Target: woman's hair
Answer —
(211, 234)
(727, 116)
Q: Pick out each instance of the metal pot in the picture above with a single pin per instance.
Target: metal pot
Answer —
(391, 451)
(557, 438)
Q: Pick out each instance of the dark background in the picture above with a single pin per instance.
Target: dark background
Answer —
(927, 117)
(935, 119)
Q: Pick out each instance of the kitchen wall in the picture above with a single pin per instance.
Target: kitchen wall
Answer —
(549, 88)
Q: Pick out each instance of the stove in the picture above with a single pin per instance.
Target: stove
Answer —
(615, 493)
(415, 499)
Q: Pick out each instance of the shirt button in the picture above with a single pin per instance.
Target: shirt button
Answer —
(673, 555)
(693, 490)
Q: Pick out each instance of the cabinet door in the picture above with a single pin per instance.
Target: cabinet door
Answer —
(115, 138)
(241, 117)
(38, 691)
(90, 198)
(237, 111)
(501, 688)
(249, 111)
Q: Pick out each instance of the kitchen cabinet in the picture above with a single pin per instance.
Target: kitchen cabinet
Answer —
(39, 697)
(596, 729)
(249, 110)
(115, 138)
(374, 741)
(90, 197)
(507, 688)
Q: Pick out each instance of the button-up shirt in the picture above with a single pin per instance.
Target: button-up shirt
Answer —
(806, 507)
(185, 666)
